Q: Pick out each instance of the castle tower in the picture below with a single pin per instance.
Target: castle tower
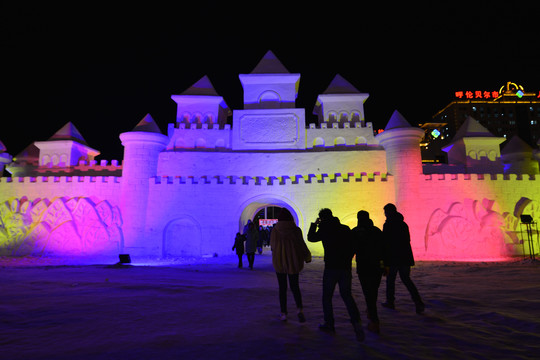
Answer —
(517, 157)
(5, 158)
(401, 142)
(142, 146)
(201, 104)
(65, 148)
(270, 120)
(340, 103)
(476, 148)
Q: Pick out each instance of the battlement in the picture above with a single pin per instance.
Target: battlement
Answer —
(197, 126)
(488, 177)
(342, 125)
(93, 168)
(60, 179)
(271, 180)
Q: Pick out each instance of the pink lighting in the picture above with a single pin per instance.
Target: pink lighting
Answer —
(187, 193)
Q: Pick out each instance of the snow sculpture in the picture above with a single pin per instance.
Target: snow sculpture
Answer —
(473, 230)
(75, 226)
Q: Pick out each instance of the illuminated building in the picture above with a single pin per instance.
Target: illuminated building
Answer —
(189, 192)
(436, 135)
(508, 111)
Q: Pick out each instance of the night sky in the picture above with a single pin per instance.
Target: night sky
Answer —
(105, 67)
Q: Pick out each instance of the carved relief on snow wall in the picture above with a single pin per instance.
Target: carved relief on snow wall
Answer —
(63, 226)
(472, 230)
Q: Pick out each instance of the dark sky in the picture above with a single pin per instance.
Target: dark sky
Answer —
(104, 67)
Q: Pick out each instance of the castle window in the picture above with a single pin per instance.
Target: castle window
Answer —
(339, 141)
(332, 117)
(269, 100)
(318, 142)
(343, 117)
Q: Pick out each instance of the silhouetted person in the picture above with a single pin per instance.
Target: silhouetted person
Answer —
(289, 252)
(368, 247)
(252, 236)
(398, 256)
(239, 246)
(338, 253)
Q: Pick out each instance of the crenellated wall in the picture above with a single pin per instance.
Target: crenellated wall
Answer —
(189, 223)
(474, 216)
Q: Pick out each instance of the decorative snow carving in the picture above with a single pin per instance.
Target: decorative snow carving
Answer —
(474, 230)
(75, 226)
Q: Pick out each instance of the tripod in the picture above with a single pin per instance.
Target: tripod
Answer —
(530, 228)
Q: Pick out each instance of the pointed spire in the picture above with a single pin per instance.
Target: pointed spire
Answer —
(147, 124)
(472, 128)
(69, 132)
(201, 87)
(397, 121)
(340, 86)
(270, 64)
(516, 145)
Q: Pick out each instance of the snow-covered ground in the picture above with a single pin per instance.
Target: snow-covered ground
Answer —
(209, 309)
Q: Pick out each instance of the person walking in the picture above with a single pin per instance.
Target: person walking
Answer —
(252, 236)
(239, 246)
(398, 256)
(368, 247)
(289, 252)
(338, 253)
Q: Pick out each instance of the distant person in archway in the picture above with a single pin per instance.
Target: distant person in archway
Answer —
(252, 236)
(368, 247)
(338, 253)
(239, 246)
(289, 252)
(398, 256)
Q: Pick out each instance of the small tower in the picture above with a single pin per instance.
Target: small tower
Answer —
(142, 146)
(65, 148)
(201, 104)
(270, 85)
(270, 120)
(5, 158)
(401, 142)
(517, 157)
(475, 148)
(341, 103)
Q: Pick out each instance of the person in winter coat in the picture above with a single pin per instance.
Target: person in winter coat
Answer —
(338, 254)
(239, 246)
(368, 247)
(398, 256)
(289, 252)
(252, 236)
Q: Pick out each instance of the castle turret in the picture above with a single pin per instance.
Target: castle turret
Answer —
(517, 157)
(142, 146)
(475, 148)
(201, 104)
(269, 120)
(5, 158)
(65, 148)
(341, 103)
(401, 142)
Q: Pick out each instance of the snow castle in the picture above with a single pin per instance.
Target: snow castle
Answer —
(187, 193)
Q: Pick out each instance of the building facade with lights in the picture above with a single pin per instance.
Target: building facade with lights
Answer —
(189, 192)
(509, 111)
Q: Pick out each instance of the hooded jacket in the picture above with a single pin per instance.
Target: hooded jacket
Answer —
(368, 246)
(397, 242)
(289, 251)
(337, 244)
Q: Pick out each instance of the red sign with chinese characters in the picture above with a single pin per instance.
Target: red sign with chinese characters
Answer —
(470, 95)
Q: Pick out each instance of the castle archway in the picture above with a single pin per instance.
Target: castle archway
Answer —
(251, 207)
(182, 237)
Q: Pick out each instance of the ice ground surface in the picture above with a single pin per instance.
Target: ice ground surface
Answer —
(209, 309)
